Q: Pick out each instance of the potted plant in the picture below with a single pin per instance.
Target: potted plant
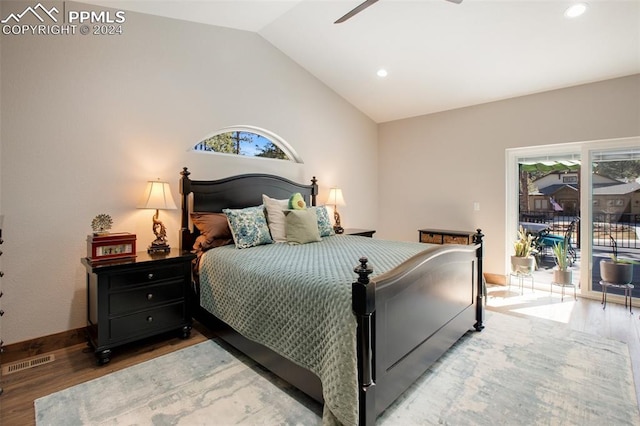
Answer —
(523, 262)
(616, 270)
(562, 275)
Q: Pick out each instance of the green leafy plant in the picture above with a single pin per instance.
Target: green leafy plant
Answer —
(614, 254)
(561, 254)
(524, 244)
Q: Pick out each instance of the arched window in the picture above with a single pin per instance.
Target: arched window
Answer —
(247, 141)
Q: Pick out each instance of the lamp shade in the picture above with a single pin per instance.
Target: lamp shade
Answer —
(335, 197)
(157, 195)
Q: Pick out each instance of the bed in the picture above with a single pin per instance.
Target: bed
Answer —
(402, 310)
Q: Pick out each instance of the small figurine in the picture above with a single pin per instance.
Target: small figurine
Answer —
(101, 224)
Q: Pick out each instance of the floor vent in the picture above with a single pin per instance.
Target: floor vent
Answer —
(14, 367)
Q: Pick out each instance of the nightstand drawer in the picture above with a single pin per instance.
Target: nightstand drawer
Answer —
(145, 297)
(457, 239)
(431, 238)
(147, 275)
(147, 322)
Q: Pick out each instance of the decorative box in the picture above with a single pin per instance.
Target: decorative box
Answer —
(111, 246)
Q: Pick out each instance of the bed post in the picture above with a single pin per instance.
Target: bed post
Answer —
(185, 190)
(363, 304)
(480, 291)
(314, 191)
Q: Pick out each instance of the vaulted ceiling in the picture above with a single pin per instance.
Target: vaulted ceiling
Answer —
(438, 55)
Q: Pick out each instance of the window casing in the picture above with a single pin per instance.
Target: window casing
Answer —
(247, 141)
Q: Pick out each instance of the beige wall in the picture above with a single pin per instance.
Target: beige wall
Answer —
(434, 167)
(87, 120)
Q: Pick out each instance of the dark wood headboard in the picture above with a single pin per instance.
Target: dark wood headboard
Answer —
(235, 192)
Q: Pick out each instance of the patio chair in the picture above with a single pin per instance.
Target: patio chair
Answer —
(547, 241)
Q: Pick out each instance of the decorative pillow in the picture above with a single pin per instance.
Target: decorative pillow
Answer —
(324, 223)
(301, 226)
(248, 226)
(296, 202)
(214, 230)
(275, 217)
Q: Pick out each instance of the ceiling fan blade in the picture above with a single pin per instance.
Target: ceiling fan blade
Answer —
(366, 4)
(357, 10)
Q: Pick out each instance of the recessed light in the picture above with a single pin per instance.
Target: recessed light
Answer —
(575, 10)
(382, 72)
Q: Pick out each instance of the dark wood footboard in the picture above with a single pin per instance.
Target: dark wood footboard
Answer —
(409, 317)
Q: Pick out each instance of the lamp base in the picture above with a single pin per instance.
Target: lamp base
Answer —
(158, 248)
(337, 228)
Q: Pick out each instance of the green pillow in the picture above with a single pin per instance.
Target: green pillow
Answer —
(301, 226)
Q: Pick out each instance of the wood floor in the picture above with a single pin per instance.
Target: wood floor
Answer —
(76, 364)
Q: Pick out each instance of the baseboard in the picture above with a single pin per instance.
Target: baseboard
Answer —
(41, 345)
(495, 278)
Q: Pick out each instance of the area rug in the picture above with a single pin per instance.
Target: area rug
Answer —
(517, 371)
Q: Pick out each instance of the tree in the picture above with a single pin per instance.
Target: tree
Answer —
(242, 143)
(228, 143)
(626, 170)
(270, 150)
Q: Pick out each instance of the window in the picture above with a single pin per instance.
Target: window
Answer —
(247, 141)
(541, 204)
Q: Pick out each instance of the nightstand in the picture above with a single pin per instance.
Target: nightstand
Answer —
(131, 299)
(361, 232)
(443, 236)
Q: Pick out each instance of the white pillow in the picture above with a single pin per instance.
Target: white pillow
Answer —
(275, 218)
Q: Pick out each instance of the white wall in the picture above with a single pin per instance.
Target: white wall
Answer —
(87, 120)
(434, 167)
(1, 210)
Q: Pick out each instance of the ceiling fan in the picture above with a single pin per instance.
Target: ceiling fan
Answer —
(366, 4)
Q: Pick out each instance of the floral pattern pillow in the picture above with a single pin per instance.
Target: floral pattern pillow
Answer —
(248, 226)
(324, 223)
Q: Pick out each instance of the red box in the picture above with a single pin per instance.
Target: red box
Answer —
(111, 246)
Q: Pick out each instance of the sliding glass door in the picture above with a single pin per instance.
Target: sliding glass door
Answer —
(549, 206)
(615, 202)
(598, 191)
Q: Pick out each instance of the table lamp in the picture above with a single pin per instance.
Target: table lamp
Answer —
(335, 199)
(157, 195)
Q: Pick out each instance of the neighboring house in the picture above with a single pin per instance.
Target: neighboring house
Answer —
(617, 200)
(560, 192)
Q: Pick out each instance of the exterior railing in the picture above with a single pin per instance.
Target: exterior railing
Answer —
(623, 227)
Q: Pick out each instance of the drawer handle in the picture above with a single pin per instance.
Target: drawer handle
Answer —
(150, 276)
(149, 296)
(149, 318)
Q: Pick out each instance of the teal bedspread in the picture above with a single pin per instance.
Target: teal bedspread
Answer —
(296, 300)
